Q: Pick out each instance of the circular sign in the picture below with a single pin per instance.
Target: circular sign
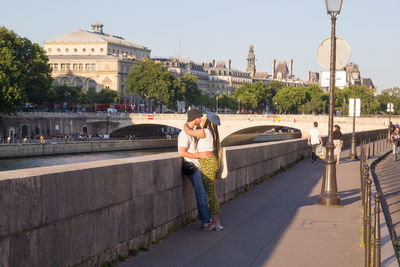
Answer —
(342, 53)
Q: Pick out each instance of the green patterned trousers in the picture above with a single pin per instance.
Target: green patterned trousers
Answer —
(209, 169)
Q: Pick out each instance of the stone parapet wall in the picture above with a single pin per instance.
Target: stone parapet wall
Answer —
(36, 149)
(88, 213)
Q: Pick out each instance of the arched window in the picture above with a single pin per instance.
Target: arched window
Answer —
(101, 49)
(66, 50)
(58, 49)
(78, 82)
(25, 131)
(65, 82)
(49, 49)
(83, 49)
(75, 50)
(92, 49)
(92, 84)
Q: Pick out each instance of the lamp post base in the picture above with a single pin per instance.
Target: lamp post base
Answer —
(329, 199)
(329, 193)
(353, 148)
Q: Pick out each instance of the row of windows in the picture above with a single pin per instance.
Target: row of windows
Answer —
(230, 73)
(218, 86)
(75, 50)
(75, 66)
(76, 82)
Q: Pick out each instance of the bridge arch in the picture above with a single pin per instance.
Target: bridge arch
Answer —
(261, 133)
(145, 129)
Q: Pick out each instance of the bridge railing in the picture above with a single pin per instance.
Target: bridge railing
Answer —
(377, 147)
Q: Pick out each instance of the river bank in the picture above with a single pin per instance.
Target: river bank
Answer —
(47, 149)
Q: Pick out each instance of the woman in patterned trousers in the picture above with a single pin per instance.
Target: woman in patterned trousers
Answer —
(209, 148)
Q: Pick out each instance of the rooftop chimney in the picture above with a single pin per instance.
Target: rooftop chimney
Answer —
(273, 67)
(97, 27)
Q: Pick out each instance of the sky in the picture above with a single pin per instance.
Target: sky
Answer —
(222, 29)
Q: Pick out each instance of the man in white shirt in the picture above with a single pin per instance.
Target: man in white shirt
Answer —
(314, 139)
(186, 146)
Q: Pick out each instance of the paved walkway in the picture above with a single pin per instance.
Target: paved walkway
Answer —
(278, 223)
(388, 174)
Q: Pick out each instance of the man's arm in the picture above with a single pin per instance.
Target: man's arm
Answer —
(308, 140)
(320, 140)
(196, 133)
(200, 155)
(184, 153)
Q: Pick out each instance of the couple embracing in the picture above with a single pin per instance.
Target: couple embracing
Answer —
(199, 145)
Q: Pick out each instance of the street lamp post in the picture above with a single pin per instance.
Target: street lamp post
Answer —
(216, 104)
(390, 111)
(353, 152)
(329, 193)
(239, 106)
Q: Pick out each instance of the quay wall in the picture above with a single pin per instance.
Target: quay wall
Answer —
(73, 147)
(88, 213)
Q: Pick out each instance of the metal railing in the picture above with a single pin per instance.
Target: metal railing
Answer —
(371, 235)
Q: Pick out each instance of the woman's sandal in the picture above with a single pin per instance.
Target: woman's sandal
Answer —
(210, 227)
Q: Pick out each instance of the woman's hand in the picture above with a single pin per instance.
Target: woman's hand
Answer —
(204, 155)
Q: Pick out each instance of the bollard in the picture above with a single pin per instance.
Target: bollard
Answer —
(379, 145)
(373, 148)
(364, 201)
(368, 226)
(361, 157)
(369, 148)
(377, 232)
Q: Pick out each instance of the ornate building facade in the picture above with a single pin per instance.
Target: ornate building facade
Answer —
(182, 66)
(93, 59)
(223, 79)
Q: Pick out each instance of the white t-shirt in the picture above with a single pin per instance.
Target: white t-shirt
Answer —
(314, 133)
(207, 143)
(187, 141)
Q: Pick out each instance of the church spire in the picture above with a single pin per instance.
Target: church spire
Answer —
(251, 62)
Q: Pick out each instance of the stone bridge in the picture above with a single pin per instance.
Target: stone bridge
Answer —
(247, 123)
(52, 124)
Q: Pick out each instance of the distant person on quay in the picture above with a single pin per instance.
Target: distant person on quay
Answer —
(338, 142)
(314, 139)
(209, 154)
(396, 141)
(187, 149)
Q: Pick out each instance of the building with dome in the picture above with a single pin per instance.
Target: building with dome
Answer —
(93, 59)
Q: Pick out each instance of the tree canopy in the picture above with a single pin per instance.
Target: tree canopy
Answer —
(25, 75)
(191, 91)
(151, 80)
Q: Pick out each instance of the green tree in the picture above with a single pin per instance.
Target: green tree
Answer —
(107, 96)
(257, 96)
(339, 101)
(248, 98)
(25, 75)
(384, 99)
(316, 99)
(91, 96)
(151, 80)
(227, 101)
(207, 101)
(290, 99)
(69, 95)
(191, 91)
(369, 104)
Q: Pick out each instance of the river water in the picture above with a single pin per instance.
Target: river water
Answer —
(33, 162)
